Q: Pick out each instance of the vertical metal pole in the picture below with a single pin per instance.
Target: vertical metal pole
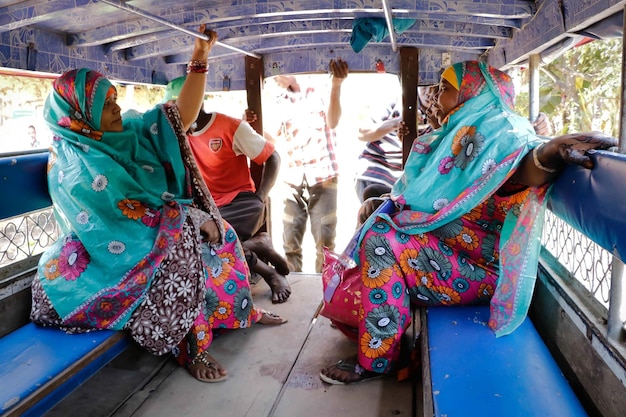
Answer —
(617, 307)
(533, 88)
(389, 20)
(617, 310)
(622, 113)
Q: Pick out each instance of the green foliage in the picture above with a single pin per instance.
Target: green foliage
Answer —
(580, 90)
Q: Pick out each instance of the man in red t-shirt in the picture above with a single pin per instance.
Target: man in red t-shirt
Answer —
(222, 146)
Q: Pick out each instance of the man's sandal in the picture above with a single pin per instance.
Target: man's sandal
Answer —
(207, 360)
(353, 373)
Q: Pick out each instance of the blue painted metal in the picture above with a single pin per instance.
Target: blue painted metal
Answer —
(23, 180)
(32, 356)
(474, 373)
(128, 47)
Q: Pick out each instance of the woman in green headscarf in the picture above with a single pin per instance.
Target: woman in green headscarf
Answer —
(469, 216)
(143, 246)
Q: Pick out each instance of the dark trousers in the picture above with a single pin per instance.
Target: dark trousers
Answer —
(246, 213)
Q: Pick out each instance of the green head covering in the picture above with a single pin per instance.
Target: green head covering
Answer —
(115, 194)
(172, 90)
(456, 167)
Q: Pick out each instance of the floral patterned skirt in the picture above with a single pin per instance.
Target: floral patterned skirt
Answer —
(196, 290)
(436, 268)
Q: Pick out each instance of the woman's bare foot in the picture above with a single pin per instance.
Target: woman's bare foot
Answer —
(262, 245)
(206, 369)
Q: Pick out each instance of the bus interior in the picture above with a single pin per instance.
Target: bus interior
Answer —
(579, 306)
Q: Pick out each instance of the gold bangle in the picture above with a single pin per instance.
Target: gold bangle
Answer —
(539, 164)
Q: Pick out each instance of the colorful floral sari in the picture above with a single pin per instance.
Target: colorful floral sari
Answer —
(130, 206)
(463, 234)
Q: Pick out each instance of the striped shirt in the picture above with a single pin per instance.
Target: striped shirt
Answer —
(381, 160)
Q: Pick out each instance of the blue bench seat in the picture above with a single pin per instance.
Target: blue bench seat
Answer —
(473, 373)
(39, 366)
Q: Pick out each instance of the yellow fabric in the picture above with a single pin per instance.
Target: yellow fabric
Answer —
(450, 76)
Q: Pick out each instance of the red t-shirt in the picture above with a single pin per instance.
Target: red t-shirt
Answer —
(222, 149)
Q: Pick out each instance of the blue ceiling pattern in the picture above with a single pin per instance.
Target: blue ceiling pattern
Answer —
(149, 41)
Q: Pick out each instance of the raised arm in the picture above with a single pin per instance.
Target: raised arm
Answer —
(339, 71)
(378, 132)
(192, 92)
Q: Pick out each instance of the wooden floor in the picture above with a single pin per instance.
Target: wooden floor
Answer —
(273, 371)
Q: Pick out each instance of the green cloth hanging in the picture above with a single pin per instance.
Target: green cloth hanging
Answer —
(375, 28)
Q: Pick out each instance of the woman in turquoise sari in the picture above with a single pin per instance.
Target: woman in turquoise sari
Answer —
(469, 217)
(143, 247)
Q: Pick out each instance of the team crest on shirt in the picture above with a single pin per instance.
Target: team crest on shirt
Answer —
(215, 144)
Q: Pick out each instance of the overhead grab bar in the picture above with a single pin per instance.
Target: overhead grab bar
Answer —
(392, 33)
(133, 9)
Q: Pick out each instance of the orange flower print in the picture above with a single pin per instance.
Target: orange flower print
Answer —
(220, 273)
(373, 347)
(223, 310)
(457, 143)
(502, 208)
(468, 239)
(51, 270)
(203, 335)
(514, 249)
(421, 238)
(408, 261)
(161, 243)
(450, 241)
(227, 258)
(447, 296)
(485, 291)
(133, 209)
(141, 278)
(424, 278)
(374, 277)
(520, 197)
(474, 213)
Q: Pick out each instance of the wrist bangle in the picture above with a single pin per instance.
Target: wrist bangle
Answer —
(539, 164)
(201, 67)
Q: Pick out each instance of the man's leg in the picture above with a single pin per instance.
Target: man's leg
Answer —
(261, 243)
(323, 212)
(246, 214)
(294, 225)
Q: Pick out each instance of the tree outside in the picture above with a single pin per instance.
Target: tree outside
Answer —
(580, 90)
